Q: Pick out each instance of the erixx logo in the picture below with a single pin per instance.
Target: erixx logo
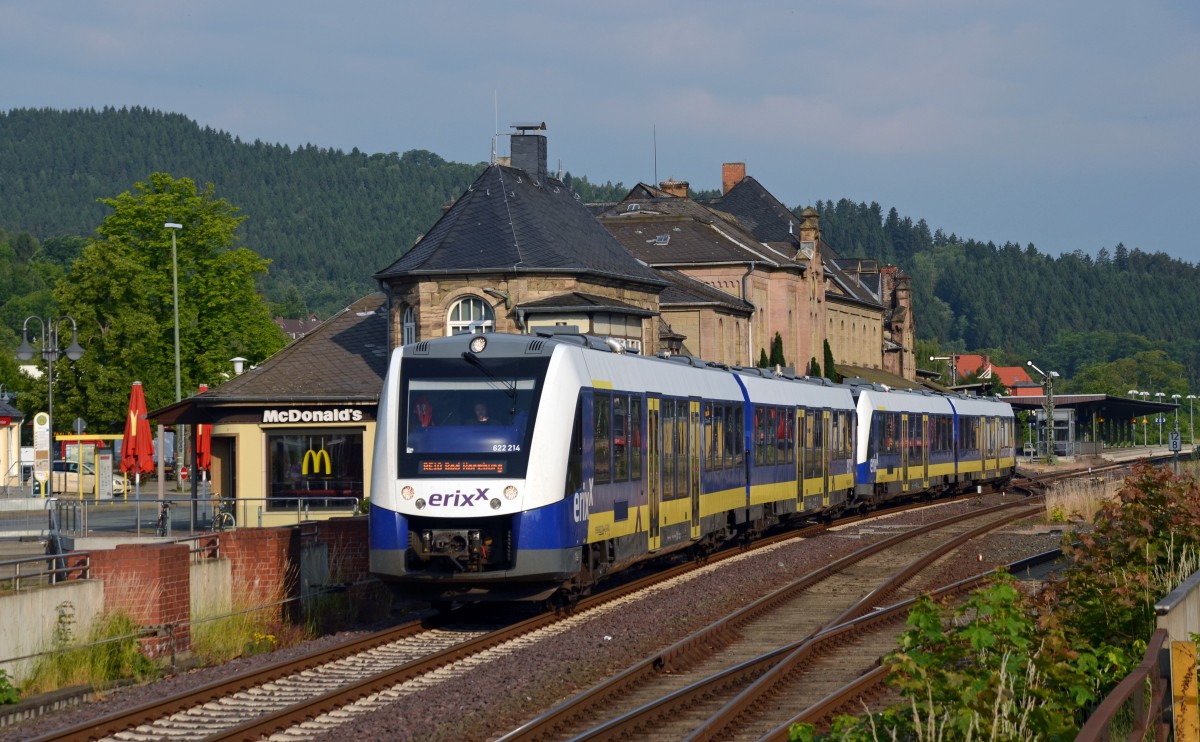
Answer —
(458, 498)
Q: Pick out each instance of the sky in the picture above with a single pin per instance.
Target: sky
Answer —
(1071, 124)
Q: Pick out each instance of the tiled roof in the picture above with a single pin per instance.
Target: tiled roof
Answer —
(345, 358)
(685, 290)
(879, 376)
(506, 221)
(848, 287)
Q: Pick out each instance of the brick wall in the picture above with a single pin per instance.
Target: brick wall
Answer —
(152, 585)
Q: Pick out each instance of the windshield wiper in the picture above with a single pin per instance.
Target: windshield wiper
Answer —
(510, 387)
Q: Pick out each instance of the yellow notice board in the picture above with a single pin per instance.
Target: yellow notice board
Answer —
(1185, 702)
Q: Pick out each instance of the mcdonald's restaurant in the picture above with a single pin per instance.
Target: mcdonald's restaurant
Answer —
(293, 436)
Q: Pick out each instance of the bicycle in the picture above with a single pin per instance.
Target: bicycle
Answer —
(223, 519)
(163, 525)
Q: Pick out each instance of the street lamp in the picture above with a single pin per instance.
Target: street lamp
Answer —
(1048, 384)
(1134, 393)
(1145, 433)
(50, 353)
(950, 360)
(1159, 418)
(1176, 397)
(1191, 426)
(175, 298)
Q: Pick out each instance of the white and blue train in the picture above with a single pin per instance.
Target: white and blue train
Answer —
(527, 467)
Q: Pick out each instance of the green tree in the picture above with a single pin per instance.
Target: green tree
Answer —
(831, 372)
(814, 368)
(777, 358)
(120, 292)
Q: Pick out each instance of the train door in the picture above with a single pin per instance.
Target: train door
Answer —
(990, 462)
(826, 453)
(925, 444)
(654, 465)
(904, 448)
(800, 439)
(693, 449)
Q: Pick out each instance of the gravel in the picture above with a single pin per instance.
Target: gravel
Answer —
(500, 694)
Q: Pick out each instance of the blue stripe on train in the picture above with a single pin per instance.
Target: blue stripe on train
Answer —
(550, 527)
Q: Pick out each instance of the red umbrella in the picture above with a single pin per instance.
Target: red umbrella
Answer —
(137, 445)
(203, 441)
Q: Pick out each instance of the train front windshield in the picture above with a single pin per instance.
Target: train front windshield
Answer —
(467, 421)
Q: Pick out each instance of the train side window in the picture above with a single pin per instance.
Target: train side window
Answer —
(601, 439)
(635, 438)
(620, 438)
(710, 434)
(668, 448)
(760, 454)
(575, 452)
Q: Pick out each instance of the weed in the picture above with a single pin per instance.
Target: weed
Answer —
(110, 654)
(9, 693)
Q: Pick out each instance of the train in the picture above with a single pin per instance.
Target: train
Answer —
(531, 467)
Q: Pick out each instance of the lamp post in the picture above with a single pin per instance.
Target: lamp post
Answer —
(1048, 385)
(1176, 397)
(1191, 426)
(1158, 417)
(1134, 393)
(50, 352)
(175, 299)
(1145, 432)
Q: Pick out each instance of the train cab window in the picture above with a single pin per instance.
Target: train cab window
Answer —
(601, 439)
(575, 452)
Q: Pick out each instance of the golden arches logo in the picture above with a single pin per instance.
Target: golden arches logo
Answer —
(312, 462)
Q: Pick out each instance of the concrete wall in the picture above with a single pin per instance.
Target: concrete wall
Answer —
(28, 620)
(211, 588)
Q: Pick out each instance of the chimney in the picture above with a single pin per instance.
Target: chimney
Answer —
(810, 226)
(677, 188)
(529, 150)
(731, 174)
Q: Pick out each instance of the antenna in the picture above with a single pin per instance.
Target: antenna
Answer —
(654, 130)
(496, 135)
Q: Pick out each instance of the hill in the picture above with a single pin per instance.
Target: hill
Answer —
(328, 219)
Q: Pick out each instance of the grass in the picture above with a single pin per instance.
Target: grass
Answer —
(1078, 500)
(109, 655)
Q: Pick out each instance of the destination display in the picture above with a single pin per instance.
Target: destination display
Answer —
(458, 466)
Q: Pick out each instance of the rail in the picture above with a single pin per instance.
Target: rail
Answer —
(1134, 709)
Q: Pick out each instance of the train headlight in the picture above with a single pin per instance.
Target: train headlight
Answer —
(407, 492)
(478, 343)
(510, 492)
(421, 503)
(495, 503)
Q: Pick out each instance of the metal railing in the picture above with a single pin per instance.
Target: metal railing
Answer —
(185, 516)
(48, 569)
(1136, 708)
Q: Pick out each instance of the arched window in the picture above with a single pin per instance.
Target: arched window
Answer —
(470, 314)
(408, 326)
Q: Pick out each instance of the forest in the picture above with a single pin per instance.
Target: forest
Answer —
(326, 219)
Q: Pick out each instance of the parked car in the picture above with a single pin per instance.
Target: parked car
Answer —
(66, 479)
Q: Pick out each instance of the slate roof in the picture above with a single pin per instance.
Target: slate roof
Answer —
(763, 214)
(685, 290)
(678, 231)
(343, 360)
(848, 287)
(506, 221)
(578, 301)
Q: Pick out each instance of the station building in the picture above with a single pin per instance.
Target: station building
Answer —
(517, 252)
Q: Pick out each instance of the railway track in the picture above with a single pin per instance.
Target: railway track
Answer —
(307, 696)
(366, 671)
(734, 680)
